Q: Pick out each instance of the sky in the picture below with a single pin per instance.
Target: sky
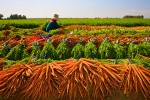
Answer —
(75, 8)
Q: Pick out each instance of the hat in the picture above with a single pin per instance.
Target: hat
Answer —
(56, 17)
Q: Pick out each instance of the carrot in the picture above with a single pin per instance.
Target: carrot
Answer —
(68, 83)
(141, 87)
(36, 74)
(87, 60)
(52, 70)
(47, 71)
(115, 68)
(101, 74)
(71, 70)
(81, 71)
(145, 79)
(101, 89)
(76, 77)
(88, 63)
(89, 68)
(80, 91)
(68, 65)
(5, 75)
(71, 89)
(114, 76)
(39, 66)
(28, 72)
(144, 70)
(56, 66)
(124, 77)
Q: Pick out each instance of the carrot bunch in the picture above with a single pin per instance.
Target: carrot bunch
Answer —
(56, 39)
(73, 79)
(144, 57)
(135, 79)
(89, 78)
(13, 79)
(5, 32)
(44, 83)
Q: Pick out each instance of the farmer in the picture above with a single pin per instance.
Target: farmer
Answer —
(53, 23)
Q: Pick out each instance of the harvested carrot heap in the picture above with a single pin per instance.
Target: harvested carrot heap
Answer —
(89, 78)
(44, 83)
(13, 79)
(135, 79)
(73, 79)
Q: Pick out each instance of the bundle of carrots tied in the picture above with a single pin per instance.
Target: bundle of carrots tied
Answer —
(73, 79)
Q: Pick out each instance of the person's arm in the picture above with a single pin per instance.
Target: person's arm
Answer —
(57, 26)
(51, 26)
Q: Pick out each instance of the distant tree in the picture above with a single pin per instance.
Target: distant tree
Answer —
(131, 16)
(1, 15)
(16, 16)
(19, 17)
(24, 17)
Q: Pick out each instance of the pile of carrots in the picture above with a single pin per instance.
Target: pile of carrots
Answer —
(74, 39)
(73, 79)
(86, 27)
(88, 78)
(137, 79)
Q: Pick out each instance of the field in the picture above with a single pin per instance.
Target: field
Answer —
(83, 21)
(88, 58)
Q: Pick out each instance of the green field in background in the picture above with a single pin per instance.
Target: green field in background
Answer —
(81, 21)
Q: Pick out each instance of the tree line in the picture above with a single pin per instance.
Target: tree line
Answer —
(14, 16)
(131, 16)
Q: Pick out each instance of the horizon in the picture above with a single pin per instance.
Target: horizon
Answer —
(76, 8)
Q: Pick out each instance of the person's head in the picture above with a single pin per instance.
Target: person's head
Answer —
(56, 17)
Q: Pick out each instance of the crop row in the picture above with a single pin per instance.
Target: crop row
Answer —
(106, 49)
(112, 32)
(105, 22)
(80, 30)
(77, 21)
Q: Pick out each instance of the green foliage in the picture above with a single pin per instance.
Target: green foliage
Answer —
(41, 61)
(62, 51)
(5, 49)
(145, 62)
(144, 48)
(48, 51)
(114, 32)
(24, 54)
(90, 50)
(119, 50)
(78, 51)
(25, 60)
(133, 49)
(44, 26)
(105, 21)
(78, 21)
(8, 64)
(17, 52)
(53, 32)
(25, 25)
(36, 50)
(4, 27)
(106, 49)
